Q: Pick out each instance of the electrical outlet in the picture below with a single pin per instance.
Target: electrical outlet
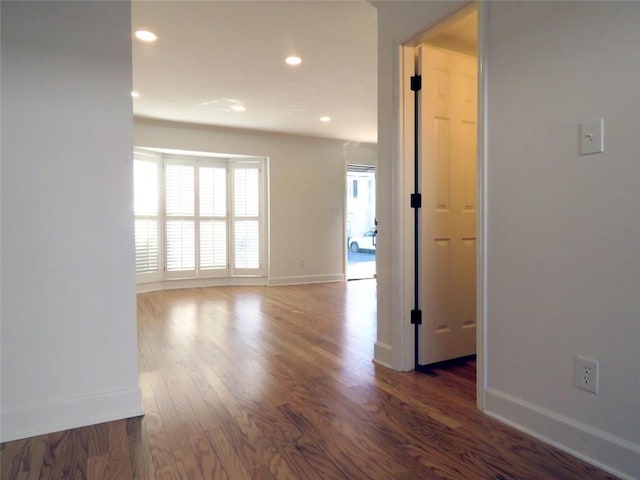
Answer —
(587, 374)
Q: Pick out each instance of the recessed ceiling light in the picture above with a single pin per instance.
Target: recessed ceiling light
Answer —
(325, 119)
(135, 94)
(238, 108)
(293, 60)
(146, 36)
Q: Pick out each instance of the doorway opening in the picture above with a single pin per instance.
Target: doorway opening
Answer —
(441, 72)
(361, 232)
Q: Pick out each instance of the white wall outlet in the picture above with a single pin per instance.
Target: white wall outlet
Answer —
(587, 374)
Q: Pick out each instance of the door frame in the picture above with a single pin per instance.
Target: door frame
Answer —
(354, 167)
(405, 331)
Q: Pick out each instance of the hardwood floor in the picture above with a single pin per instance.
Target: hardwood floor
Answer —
(277, 383)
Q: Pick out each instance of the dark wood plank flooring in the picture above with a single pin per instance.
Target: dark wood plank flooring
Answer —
(278, 383)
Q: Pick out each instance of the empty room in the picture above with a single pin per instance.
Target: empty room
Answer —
(175, 240)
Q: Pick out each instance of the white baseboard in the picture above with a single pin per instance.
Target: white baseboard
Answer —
(71, 413)
(199, 283)
(304, 279)
(383, 354)
(225, 281)
(608, 452)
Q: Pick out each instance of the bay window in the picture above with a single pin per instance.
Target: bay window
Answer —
(212, 217)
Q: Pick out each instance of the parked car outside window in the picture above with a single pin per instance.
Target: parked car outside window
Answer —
(366, 241)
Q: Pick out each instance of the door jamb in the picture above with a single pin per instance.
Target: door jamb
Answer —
(481, 259)
(405, 178)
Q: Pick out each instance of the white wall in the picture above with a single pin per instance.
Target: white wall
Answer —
(563, 237)
(306, 184)
(69, 352)
(564, 230)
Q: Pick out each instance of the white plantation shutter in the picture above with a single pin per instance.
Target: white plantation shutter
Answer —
(145, 187)
(213, 217)
(179, 189)
(181, 245)
(246, 201)
(180, 239)
(213, 191)
(146, 208)
(247, 244)
(213, 244)
(147, 245)
(246, 212)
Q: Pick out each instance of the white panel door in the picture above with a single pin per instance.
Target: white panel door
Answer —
(448, 106)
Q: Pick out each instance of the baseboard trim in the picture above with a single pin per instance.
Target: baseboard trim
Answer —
(304, 279)
(70, 413)
(383, 354)
(199, 283)
(601, 449)
(226, 281)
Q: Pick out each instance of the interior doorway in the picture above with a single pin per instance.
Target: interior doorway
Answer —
(444, 60)
(361, 231)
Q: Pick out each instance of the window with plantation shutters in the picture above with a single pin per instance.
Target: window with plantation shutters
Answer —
(179, 189)
(146, 201)
(213, 217)
(212, 220)
(246, 221)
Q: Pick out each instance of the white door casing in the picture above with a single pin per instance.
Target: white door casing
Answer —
(448, 118)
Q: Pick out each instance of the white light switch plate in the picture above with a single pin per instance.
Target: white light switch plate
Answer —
(592, 137)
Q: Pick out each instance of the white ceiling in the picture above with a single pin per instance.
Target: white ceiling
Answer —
(458, 33)
(212, 54)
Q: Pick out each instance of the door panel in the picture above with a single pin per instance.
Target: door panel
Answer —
(442, 158)
(448, 215)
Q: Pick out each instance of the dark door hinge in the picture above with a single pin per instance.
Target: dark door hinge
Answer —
(416, 317)
(416, 200)
(416, 83)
